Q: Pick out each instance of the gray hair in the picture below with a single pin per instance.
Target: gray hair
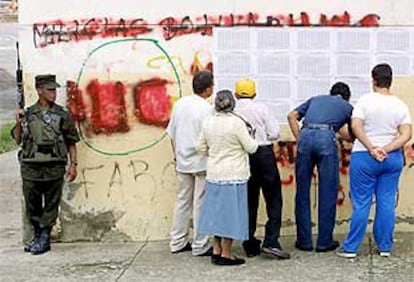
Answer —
(224, 101)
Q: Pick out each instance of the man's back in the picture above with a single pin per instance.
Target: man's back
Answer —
(258, 115)
(184, 127)
(326, 109)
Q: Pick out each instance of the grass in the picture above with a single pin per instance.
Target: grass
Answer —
(6, 142)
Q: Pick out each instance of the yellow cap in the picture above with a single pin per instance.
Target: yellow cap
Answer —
(246, 87)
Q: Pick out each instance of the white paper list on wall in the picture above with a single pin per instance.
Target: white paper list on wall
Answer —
(312, 65)
(291, 65)
(306, 88)
(351, 64)
(270, 89)
(314, 39)
(274, 64)
(234, 63)
(270, 40)
(353, 40)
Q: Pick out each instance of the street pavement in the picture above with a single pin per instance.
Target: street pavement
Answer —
(8, 38)
(152, 261)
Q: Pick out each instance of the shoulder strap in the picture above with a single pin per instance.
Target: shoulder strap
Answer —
(250, 128)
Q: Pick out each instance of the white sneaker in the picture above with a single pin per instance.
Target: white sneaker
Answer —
(344, 254)
(384, 254)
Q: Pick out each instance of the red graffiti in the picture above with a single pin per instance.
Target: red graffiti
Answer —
(285, 155)
(173, 27)
(53, 32)
(409, 155)
(108, 107)
(341, 196)
(370, 20)
(342, 20)
(289, 20)
(75, 102)
(197, 65)
(152, 102)
(287, 181)
(345, 149)
(56, 31)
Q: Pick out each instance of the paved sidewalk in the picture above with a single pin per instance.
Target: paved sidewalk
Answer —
(152, 261)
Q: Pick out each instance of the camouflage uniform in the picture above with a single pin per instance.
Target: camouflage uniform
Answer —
(43, 161)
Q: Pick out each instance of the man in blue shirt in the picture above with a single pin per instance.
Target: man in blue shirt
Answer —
(322, 116)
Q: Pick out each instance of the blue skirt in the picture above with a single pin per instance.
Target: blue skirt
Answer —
(224, 212)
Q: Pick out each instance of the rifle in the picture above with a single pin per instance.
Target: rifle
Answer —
(19, 80)
(20, 94)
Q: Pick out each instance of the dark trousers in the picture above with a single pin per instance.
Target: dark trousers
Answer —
(42, 200)
(316, 147)
(265, 175)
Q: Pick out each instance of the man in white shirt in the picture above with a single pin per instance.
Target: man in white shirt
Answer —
(183, 128)
(264, 172)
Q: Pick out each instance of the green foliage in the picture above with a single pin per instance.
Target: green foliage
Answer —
(6, 141)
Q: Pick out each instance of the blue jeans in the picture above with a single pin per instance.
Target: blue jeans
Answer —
(369, 177)
(316, 147)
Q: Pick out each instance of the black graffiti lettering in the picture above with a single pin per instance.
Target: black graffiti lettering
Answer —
(143, 168)
(84, 181)
(168, 24)
(63, 35)
(204, 28)
(89, 28)
(272, 21)
(40, 35)
(186, 26)
(116, 172)
(138, 26)
(251, 20)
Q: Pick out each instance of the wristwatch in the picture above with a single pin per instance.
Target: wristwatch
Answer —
(74, 163)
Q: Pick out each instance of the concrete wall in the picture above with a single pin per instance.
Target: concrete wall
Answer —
(126, 62)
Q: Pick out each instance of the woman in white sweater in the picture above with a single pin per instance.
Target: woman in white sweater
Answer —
(224, 213)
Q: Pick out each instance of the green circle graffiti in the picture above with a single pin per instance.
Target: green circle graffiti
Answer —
(80, 74)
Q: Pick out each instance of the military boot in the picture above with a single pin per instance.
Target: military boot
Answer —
(42, 245)
(37, 231)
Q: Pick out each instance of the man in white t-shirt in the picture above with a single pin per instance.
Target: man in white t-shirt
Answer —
(184, 127)
(381, 123)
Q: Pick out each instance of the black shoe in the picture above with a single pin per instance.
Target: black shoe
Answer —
(42, 244)
(215, 258)
(276, 252)
(207, 253)
(334, 245)
(252, 247)
(227, 261)
(303, 248)
(29, 245)
(187, 248)
(37, 231)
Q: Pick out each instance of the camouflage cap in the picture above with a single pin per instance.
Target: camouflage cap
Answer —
(46, 81)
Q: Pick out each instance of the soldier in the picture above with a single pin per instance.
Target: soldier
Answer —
(47, 135)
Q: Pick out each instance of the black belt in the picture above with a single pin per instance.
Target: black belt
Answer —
(320, 126)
